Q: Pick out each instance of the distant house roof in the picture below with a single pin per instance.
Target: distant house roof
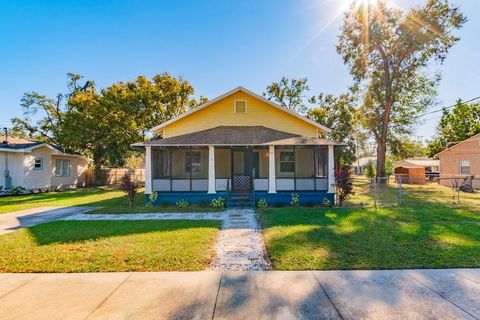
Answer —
(240, 88)
(238, 136)
(24, 145)
(417, 163)
(363, 161)
(458, 144)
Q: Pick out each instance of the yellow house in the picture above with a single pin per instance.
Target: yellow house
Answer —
(242, 147)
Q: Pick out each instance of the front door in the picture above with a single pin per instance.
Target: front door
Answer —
(241, 169)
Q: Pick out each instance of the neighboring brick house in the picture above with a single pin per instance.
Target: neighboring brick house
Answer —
(461, 160)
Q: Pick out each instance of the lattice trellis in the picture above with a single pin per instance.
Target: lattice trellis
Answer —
(241, 183)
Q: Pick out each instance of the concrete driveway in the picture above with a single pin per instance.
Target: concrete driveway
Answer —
(412, 294)
(10, 222)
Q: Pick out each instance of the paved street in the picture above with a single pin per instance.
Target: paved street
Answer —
(412, 294)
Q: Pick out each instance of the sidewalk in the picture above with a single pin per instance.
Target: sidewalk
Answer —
(403, 294)
(13, 221)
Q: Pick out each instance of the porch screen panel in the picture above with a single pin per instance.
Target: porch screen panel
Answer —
(304, 168)
(160, 163)
(199, 163)
(223, 166)
(322, 162)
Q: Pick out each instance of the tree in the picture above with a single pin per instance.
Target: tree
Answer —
(387, 51)
(129, 186)
(458, 124)
(339, 114)
(403, 147)
(344, 185)
(104, 123)
(289, 93)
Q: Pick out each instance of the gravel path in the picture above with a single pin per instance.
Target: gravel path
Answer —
(240, 246)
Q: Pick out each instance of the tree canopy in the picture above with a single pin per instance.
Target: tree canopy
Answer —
(387, 51)
(289, 93)
(456, 125)
(104, 123)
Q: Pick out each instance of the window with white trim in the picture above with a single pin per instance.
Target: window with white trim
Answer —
(240, 106)
(62, 168)
(193, 161)
(287, 161)
(465, 166)
(38, 164)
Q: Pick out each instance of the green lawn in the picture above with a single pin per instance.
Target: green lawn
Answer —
(428, 231)
(110, 199)
(94, 246)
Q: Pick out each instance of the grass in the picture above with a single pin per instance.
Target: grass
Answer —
(110, 200)
(426, 231)
(108, 246)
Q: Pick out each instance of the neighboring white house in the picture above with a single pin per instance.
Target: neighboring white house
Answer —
(38, 165)
(359, 164)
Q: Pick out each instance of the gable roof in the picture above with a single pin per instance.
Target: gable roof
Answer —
(454, 146)
(238, 136)
(253, 94)
(417, 163)
(21, 145)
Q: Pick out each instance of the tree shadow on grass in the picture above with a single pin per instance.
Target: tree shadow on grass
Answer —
(60, 232)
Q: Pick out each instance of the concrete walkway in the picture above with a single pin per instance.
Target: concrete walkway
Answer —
(13, 221)
(410, 294)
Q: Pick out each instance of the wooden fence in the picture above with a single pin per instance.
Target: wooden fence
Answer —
(112, 176)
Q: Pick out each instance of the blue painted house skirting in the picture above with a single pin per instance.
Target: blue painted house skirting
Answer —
(281, 197)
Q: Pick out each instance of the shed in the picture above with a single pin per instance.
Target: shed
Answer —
(410, 175)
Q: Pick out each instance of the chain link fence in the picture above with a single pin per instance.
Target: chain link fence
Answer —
(401, 190)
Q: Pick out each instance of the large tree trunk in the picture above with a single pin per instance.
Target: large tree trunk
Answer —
(97, 161)
(381, 156)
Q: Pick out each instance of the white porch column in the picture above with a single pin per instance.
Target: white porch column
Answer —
(272, 188)
(331, 170)
(148, 170)
(211, 170)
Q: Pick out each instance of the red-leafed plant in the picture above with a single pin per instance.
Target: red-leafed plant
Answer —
(343, 183)
(128, 186)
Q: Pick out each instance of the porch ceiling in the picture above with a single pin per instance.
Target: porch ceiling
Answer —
(238, 136)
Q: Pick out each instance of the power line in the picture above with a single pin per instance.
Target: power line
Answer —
(449, 107)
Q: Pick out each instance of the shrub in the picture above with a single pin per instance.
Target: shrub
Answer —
(343, 183)
(295, 202)
(152, 198)
(129, 186)
(262, 203)
(16, 191)
(182, 203)
(218, 203)
(370, 170)
(326, 202)
(1, 188)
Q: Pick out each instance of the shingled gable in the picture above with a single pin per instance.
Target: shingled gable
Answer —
(238, 136)
(253, 94)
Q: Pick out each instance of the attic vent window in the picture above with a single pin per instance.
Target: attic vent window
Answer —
(240, 106)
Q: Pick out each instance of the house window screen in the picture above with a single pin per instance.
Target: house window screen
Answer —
(193, 161)
(322, 161)
(464, 166)
(62, 168)
(240, 106)
(287, 161)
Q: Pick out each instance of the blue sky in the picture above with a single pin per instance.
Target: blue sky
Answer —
(216, 45)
